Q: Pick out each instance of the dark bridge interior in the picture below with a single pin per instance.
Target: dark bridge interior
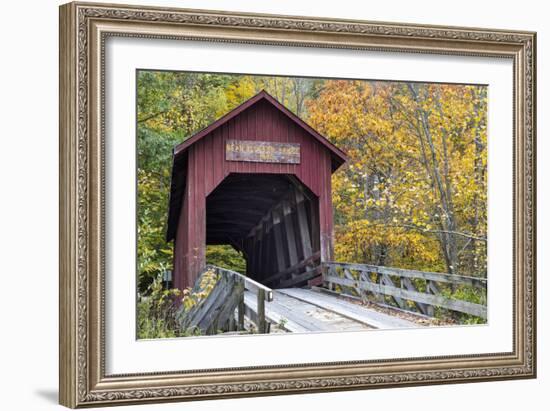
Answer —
(273, 219)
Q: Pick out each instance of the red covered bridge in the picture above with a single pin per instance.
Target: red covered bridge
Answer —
(259, 179)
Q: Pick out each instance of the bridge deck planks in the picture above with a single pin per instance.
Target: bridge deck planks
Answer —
(365, 315)
(298, 316)
(303, 310)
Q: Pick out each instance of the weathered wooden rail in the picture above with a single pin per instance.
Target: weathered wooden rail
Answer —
(378, 282)
(235, 296)
(297, 274)
(216, 312)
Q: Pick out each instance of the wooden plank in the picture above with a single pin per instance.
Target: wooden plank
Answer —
(230, 333)
(299, 186)
(279, 250)
(449, 303)
(386, 280)
(268, 262)
(240, 313)
(365, 276)
(431, 288)
(219, 312)
(260, 233)
(292, 309)
(274, 317)
(301, 265)
(315, 281)
(400, 272)
(262, 151)
(349, 310)
(303, 224)
(203, 315)
(300, 278)
(407, 284)
(347, 274)
(327, 272)
(261, 324)
(382, 305)
(226, 318)
(196, 315)
(315, 224)
(268, 215)
(250, 309)
(249, 283)
(290, 236)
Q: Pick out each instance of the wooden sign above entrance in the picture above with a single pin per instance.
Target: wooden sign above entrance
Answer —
(262, 151)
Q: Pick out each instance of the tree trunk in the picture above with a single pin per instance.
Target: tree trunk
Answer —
(441, 182)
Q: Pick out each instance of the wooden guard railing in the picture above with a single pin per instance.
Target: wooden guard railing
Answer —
(254, 313)
(363, 279)
(297, 274)
(217, 311)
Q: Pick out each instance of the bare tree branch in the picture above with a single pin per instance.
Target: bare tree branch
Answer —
(152, 116)
(450, 232)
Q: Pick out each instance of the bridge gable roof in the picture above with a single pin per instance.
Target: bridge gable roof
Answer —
(337, 155)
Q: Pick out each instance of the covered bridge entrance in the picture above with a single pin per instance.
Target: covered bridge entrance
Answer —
(258, 179)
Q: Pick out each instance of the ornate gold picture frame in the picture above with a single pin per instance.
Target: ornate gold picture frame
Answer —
(84, 30)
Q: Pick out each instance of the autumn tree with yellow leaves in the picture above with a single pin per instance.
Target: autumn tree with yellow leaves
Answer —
(413, 193)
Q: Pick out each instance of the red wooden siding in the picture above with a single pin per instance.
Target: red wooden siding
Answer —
(205, 168)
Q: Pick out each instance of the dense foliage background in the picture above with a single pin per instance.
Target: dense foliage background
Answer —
(413, 194)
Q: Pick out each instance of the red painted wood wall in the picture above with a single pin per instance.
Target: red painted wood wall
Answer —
(206, 168)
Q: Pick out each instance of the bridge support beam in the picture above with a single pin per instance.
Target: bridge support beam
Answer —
(282, 247)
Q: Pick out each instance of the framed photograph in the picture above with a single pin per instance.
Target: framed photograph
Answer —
(260, 204)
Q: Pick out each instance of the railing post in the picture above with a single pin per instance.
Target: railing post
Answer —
(364, 277)
(332, 271)
(431, 288)
(378, 279)
(261, 311)
(240, 311)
